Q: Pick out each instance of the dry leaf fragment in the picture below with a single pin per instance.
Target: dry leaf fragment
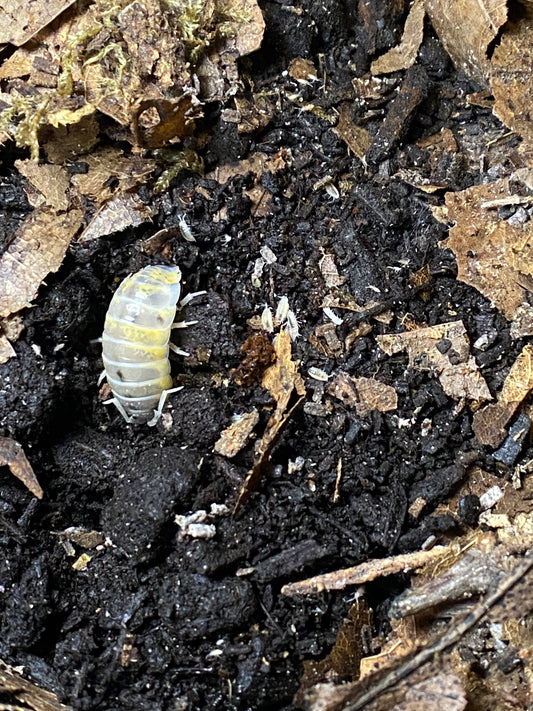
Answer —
(235, 437)
(124, 211)
(329, 271)
(511, 80)
(12, 455)
(6, 349)
(51, 181)
(286, 386)
(443, 349)
(38, 248)
(21, 20)
(489, 423)
(466, 28)
(109, 166)
(357, 138)
(492, 254)
(404, 55)
(365, 394)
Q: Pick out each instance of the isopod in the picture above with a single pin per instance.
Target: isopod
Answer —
(136, 342)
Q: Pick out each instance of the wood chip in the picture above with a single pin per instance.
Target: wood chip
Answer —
(38, 248)
(12, 455)
(365, 572)
(27, 695)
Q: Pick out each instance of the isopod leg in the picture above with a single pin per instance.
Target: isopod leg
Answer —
(177, 350)
(120, 408)
(183, 324)
(187, 299)
(101, 377)
(161, 405)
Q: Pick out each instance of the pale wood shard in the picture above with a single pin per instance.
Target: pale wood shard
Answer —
(6, 349)
(404, 55)
(38, 248)
(12, 455)
(28, 695)
(466, 28)
(365, 572)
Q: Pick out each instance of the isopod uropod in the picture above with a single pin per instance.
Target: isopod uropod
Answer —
(136, 342)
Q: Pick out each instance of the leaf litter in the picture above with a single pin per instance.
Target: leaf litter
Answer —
(151, 118)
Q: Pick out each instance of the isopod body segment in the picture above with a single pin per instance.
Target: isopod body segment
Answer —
(135, 342)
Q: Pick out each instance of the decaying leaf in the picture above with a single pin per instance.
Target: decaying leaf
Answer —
(493, 254)
(286, 386)
(404, 55)
(342, 663)
(12, 455)
(38, 248)
(511, 78)
(110, 172)
(466, 28)
(445, 351)
(490, 422)
(365, 394)
(127, 210)
(50, 184)
(145, 64)
(235, 437)
(22, 20)
(329, 271)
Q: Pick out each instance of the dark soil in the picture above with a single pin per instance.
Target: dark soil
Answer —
(200, 634)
